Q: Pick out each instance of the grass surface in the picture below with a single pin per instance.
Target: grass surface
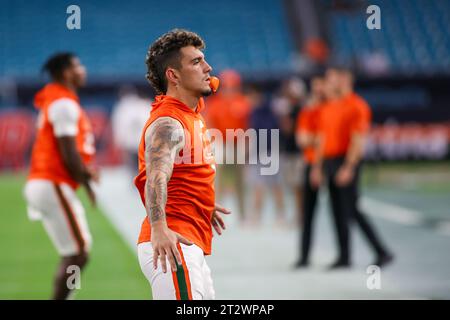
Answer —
(419, 177)
(420, 186)
(29, 260)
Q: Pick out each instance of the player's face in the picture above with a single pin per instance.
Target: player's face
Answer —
(77, 73)
(317, 87)
(332, 83)
(194, 71)
(346, 81)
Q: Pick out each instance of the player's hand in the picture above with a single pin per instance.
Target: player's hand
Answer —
(164, 243)
(344, 175)
(217, 221)
(94, 174)
(316, 177)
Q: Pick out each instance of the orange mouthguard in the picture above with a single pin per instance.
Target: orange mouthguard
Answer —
(214, 83)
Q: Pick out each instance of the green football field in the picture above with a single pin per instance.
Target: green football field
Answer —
(28, 260)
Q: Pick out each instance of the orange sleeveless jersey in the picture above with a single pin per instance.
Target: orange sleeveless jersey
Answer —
(190, 191)
(46, 161)
(307, 120)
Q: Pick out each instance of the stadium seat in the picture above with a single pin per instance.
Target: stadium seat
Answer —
(415, 35)
(239, 35)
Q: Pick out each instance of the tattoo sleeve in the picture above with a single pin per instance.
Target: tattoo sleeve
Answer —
(163, 140)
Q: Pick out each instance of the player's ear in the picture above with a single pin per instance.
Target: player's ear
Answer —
(172, 76)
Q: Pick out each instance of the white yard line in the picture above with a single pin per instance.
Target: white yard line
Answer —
(392, 212)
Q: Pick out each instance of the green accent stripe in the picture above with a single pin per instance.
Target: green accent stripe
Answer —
(182, 285)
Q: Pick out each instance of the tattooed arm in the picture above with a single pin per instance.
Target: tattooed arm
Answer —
(163, 140)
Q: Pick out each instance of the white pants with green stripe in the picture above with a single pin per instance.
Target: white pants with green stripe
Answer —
(192, 280)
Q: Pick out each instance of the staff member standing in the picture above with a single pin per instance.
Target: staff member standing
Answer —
(343, 124)
(306, 137)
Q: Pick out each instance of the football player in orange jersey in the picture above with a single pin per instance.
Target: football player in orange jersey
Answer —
(176, 172)
(62, 151)
(230, 109)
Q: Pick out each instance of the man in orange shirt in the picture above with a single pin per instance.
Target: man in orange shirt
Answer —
(60, 159)
(176, 172)
(230, 109)
(343, 124)
(306, 136)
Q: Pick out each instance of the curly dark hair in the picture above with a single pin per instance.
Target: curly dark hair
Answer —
(165, 52)
(56, 64)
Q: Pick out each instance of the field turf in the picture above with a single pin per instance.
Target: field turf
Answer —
(29, 260)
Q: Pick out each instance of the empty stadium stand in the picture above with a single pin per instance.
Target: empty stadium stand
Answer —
(251, 36)
(414, 36)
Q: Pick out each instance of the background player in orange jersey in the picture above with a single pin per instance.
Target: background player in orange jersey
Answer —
(63, 148)
(230, 109)
(176, 172)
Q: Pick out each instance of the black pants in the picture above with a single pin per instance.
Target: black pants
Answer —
(344, 203)
(309, 207)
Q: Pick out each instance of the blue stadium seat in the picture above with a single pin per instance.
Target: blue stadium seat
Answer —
(114, 36)
(415, 35)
